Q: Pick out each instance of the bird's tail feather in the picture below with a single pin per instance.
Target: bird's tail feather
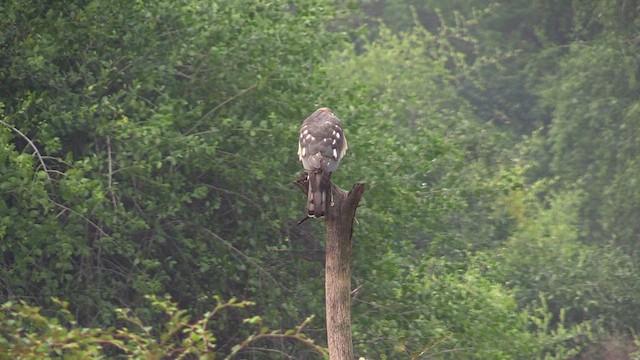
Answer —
(319, 190)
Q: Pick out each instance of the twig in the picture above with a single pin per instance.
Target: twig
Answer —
(242, 255)
(303, 219)
(432, 346)
(110, 167)
(82, 217)
(448, 351)
(297, 336)
(242, 92)
(354, 291)
(255, 349)
(33, 146)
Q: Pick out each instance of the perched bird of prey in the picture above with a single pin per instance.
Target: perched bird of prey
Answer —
(321, 146)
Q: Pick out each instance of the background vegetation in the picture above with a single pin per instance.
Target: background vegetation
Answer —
(148, 147)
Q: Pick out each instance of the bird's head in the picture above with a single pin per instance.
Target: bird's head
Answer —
(325, 110)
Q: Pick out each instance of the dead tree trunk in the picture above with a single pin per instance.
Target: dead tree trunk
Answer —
(339, 221)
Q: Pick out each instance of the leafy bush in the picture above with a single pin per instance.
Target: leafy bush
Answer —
(26, 333)
(131, 158)
(432, 308)
(545, 258)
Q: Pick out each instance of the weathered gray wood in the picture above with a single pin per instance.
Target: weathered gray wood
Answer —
(339, 222)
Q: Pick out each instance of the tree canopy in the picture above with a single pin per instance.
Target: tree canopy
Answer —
(148, 149)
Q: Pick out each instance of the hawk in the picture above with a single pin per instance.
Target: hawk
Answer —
(321, 146)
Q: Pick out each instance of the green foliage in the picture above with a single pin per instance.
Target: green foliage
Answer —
(147, 119)
(149, 147)
(544, 259)
(594, 121)
(432, 309)
(416, 142)
(28, 334)
(411, 302)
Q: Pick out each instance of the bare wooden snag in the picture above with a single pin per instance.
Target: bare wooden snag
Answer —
(339, 220)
